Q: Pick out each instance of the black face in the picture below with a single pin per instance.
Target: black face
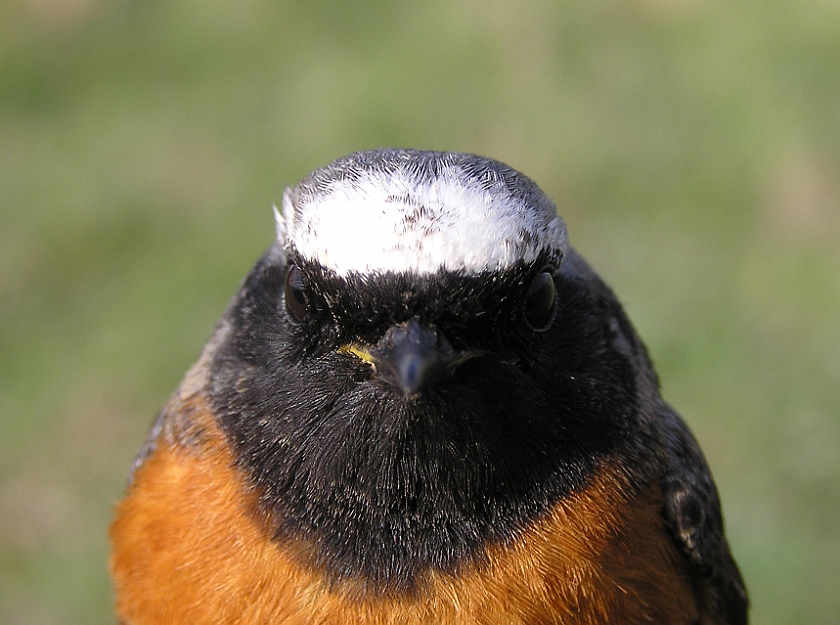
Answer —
(378, 484)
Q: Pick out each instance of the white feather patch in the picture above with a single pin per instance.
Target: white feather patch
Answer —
(385, 222)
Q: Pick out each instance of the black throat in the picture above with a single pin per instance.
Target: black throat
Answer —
(378, 487)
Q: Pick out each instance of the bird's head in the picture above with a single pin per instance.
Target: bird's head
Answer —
(419, 363)
(418, 262)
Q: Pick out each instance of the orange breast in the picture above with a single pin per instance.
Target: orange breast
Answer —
(187, 549)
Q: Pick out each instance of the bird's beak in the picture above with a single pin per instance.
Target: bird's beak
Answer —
(412, 357)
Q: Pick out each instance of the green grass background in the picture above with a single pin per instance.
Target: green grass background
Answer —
(693, 147)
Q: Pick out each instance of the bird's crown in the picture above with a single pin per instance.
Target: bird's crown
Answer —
(413, 211)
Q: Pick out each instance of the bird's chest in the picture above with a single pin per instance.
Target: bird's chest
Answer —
(186, 550)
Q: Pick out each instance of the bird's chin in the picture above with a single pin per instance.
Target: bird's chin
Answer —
(394, 396)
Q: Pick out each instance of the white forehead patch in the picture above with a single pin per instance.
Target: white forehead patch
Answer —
(411, 218)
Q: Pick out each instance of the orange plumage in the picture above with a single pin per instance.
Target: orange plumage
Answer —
(189, 548)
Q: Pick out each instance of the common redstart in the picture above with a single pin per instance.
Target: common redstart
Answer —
(422, 406)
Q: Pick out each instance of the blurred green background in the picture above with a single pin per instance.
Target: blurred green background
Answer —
(693, 147)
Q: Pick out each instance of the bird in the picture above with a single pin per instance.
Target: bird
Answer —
(422, 405)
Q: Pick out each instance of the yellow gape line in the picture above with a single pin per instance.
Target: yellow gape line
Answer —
(358, 352)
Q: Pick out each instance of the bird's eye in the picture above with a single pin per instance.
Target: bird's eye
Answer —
(293, 294)
(539, 303)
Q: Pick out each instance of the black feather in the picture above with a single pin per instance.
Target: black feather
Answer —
(387, 485)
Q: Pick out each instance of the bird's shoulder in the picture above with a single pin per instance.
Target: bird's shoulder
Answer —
(693, 516)
(662, 450)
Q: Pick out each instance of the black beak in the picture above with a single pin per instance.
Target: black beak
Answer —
(414, 357)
